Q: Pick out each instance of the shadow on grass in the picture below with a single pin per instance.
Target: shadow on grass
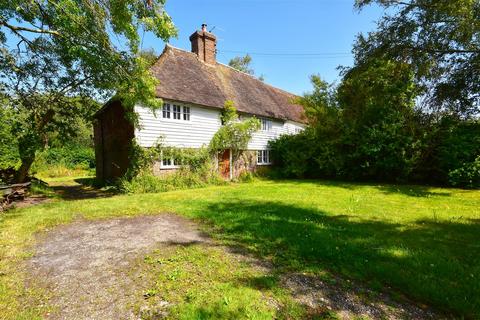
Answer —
(405, 189)
(432, 262)
(86, 188)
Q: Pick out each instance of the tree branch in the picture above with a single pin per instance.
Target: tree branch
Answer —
(17, 29)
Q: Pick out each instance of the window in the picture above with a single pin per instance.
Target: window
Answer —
(263, 157)
(166, 111)
(298, 130)
(266, 124)
(186, 113)
(169, 163)
(177, 113)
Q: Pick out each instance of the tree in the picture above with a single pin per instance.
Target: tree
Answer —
(58, 55)
(440, 39)
(242, 64)
(8, 141)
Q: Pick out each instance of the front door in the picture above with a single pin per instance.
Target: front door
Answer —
(224, 164)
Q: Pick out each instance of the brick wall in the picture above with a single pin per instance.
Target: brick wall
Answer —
(204, 44)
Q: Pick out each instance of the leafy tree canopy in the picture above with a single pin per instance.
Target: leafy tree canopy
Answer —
(440, 39)
(242, 64)
(58, 55)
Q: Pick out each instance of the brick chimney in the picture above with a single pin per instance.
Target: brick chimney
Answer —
(204, 44)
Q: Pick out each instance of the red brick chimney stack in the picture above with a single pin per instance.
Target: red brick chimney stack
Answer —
(204, 44)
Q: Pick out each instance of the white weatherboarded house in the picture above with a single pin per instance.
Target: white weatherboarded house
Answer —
(194, 88)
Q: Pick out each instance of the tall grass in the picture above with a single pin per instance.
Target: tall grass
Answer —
(183, 178)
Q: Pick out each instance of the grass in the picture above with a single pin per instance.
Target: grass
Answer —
(204, 282)
(421, 242)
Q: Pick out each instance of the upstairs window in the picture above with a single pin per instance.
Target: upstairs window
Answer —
(186, 113)
(177, 113)
(266, 124)
(166, 111)
(263, 157)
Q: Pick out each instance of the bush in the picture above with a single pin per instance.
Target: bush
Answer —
(183, 178)
(197, 170)
(69, 157)
(246, 176)
(467, 176)
(69, 160)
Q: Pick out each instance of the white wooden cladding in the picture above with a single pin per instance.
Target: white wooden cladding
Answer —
(199, 130)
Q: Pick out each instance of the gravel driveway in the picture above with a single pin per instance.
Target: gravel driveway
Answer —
(85, 265)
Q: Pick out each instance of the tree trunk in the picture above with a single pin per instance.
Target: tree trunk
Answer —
(24, 169)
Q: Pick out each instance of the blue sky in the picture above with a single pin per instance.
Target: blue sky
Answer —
(268, 29)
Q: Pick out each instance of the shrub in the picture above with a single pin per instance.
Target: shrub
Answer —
(183, 178)
(467, 176)
(70, 156)
(246, 176)
(197, 170)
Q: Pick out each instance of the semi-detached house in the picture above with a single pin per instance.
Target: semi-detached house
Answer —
(194, 88)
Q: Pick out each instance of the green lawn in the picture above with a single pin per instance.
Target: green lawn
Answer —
(422, 242)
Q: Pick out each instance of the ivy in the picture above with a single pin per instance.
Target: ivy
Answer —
(234, 134)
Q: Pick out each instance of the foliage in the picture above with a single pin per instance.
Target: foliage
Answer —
(67, 160)
(377, 101)
(468, 175)
(363, 129)
(63, 54)
(242, 64)
(440, 40)
(197, 169)
(183, 178)
(234, 134)
(421, 241)
(9, 156)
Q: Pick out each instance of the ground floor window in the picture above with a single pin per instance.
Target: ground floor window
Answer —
(263, 157)
(169, 163)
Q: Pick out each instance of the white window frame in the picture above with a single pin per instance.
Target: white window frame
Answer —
(266, 124)
(264, 157)
(172, 163)
(166, 110)
(186, 113)
(177, 112)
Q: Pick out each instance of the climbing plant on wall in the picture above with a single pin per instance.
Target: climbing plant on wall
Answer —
(234, 134)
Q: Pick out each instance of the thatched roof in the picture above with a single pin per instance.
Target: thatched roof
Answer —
(184, 78)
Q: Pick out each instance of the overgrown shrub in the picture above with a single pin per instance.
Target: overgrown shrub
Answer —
(183, 178)
(69, 155)
(68, 160)
(468, 175)
(367, 129)
(197, 170)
